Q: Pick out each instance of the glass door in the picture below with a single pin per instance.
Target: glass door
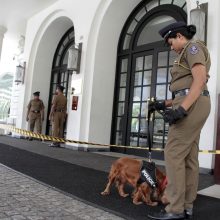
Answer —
(163, 64)
(141, 90)
(63, 77)
(149, 76)
(60, 74)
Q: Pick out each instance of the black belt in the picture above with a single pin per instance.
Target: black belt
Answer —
(36, 111)
(59, 110)
(184, 92)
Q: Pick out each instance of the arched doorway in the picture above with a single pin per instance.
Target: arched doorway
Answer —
(143, 66)
(60, 74)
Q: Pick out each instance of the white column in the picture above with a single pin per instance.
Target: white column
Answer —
(2, 32)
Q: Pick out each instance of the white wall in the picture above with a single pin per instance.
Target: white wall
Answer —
(208, 136)
(2, 32)
(44, 30)
(104, 37)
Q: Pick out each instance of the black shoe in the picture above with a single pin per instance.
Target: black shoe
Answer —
(163, 215)
(58, 145)
(30, 139)
(188, 213)
(53, 145)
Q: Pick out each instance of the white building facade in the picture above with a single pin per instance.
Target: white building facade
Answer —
(123, 62)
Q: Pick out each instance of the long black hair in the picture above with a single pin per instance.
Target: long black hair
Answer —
(188, 32)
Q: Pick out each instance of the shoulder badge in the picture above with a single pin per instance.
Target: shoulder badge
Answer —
(193, 49)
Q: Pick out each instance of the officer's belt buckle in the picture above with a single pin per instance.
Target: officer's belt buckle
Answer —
(184, 92)
(36, 111)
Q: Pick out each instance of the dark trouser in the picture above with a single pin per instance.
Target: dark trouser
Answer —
(181, 155)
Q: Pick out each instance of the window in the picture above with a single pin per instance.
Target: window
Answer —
(60, 73)
(143, 71)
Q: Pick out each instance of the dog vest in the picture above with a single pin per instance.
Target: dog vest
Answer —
(148, 174)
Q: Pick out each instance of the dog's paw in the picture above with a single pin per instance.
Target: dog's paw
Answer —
(152, 203)
(137, 202)
(164, 200)
(124, 195)
(105, 193)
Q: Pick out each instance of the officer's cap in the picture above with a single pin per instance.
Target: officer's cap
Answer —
(169, 29)
(60, 87)
(36, 93)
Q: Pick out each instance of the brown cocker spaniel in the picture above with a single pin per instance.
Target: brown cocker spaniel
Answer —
(127, 171)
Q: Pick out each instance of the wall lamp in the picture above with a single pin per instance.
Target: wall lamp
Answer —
(74, 58)
(198, 17)
(19, 73)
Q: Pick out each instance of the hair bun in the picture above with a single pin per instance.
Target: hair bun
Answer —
(191, 29)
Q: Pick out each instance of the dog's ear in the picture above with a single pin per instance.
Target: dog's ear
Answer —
(160, 175)
(145, 188)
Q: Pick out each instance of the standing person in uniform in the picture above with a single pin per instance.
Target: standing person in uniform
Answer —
(190, 109)
(35, 113)
(58, 114)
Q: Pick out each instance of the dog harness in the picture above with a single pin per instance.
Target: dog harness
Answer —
(148, 174)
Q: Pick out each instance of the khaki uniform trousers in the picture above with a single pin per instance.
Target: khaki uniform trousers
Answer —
(181, 155)
(58, 124)
(35, 122)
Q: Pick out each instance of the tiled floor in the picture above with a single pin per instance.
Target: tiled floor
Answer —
(212, 191)
(24, 198)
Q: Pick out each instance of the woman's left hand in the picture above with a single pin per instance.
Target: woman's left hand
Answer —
(172, 116)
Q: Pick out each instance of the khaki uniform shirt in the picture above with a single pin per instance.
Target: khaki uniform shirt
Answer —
(195, 52)
(35, 105)
(35, 109)
(60, 102)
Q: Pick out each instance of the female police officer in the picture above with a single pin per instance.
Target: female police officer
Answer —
(190, 109)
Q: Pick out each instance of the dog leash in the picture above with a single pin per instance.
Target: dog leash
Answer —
(150, 119)
(148, 169)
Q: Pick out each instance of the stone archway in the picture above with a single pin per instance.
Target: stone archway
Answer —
(102, 47)
(41, 57)
(45, 54)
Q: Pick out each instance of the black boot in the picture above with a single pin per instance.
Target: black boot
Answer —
(189, 213)
(58, 144)
(163, 215)
(54, 144)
